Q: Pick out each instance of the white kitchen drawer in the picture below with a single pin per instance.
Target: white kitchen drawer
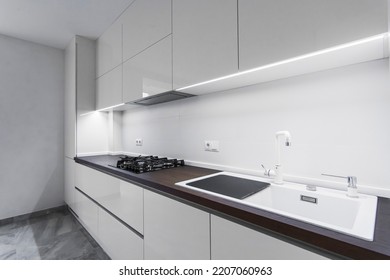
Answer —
(119, 242)
(69, 190)
(125, 202)
(174, 230)
(231, 241)
(123, 199)
(87, 211)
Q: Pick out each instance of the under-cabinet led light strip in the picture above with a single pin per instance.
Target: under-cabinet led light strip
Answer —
(103, 109)
(383, 37)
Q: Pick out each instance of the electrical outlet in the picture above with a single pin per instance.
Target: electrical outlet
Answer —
(211, 145)
(138, 142)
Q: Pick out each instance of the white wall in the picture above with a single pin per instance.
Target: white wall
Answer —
(338, 120)
(31, 127)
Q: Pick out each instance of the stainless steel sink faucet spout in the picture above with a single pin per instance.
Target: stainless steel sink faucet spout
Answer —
(352, 181)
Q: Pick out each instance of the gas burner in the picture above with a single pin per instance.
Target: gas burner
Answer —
(142, 164)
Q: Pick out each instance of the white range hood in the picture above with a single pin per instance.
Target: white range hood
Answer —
(372, 48)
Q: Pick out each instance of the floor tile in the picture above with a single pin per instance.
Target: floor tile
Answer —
(54, 236)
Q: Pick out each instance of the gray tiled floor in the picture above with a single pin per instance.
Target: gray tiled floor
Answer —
(54, 236)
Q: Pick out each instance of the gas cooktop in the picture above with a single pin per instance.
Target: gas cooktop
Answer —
(142, 164)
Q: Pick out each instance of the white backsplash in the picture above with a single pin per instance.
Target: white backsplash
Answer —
(338, 120)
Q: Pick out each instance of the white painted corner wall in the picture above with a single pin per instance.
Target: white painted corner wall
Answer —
(32, 127)
(338, 120)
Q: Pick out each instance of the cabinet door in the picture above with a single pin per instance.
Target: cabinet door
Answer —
(204, 40)
(117, 240)
(86, 68)
(109, 49)
(123, 199)
(109, 88)
(270, 31)
(69, 190)
(126, 202)
(173, 230)
(87, 211)
(235, 242)
(70, 100)
(149, 72)
(144, 23)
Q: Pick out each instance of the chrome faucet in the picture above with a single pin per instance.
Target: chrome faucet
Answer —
(352, 181)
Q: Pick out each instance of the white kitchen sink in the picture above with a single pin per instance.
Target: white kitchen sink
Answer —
(328, 208)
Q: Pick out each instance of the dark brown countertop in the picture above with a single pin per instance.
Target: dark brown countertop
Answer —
(318, 238)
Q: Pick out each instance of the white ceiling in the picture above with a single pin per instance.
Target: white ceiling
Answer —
(55, 22)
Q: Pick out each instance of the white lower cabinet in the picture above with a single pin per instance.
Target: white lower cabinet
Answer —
(69, 190)
(123, 199)
(231, 241)
(173, 230)
(87, 212)
(118, 241)
(112, 211)
(130, 222)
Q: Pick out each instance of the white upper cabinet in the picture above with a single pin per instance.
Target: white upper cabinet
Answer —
(204, 40)
(109, 49)
(144, 23)
(271, 31)
(79, 86)
(149, 72)
(109, 88)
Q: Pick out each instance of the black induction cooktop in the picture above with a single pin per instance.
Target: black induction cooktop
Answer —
(235, 187)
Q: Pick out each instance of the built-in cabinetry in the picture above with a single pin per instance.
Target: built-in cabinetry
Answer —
(204, 40)
(69, 191)
(109, 49)
(130, 222)
(211, 39)
(116, 239)
(109, 67)
(174, 230)
(149, 72)
(109, 88)
(145, 22)
(115, 208)
(134, 56)
(87, 212)
(121, 198)
(271, 31)
(79, 99)
(231, 241)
